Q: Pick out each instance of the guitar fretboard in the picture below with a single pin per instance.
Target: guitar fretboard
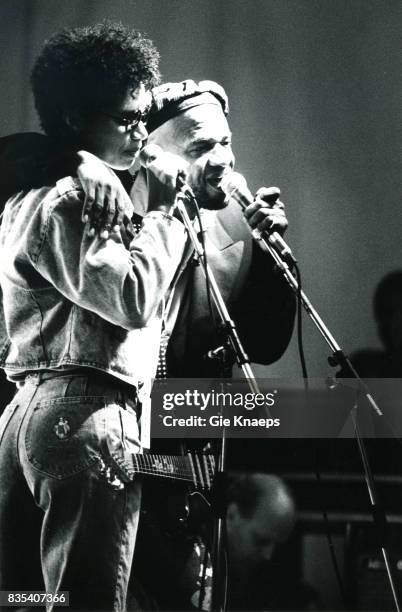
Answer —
(197, 469)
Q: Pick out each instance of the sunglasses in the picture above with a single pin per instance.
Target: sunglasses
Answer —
(131, 122)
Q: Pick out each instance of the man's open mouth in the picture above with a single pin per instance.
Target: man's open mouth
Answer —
(214, 181)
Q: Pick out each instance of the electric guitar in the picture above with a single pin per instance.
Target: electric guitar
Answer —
(195, 469)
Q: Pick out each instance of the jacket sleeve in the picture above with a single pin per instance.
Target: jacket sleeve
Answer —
(123, 284)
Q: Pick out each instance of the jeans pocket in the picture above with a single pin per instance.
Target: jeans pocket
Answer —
(122, 429)
(122, 441)
(6, 417)
(63, 435)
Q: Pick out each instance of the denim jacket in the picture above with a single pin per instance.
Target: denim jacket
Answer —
(73, 300)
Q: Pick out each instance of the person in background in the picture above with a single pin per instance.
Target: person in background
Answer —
(387, 307)
(260, 515)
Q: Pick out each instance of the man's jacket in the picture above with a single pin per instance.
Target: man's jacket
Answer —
(259, 301)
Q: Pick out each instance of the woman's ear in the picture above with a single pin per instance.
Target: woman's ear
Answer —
(74, 121)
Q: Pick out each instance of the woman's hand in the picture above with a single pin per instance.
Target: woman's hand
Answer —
(106, 200)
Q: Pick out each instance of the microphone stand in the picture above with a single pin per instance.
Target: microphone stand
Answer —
(232, 338)
(338, 357)
(228, 326)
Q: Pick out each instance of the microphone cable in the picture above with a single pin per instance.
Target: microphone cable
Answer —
(299, 306)
(317, 470)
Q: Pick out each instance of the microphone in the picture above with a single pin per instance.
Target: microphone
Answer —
(234, 185)
(150, 153)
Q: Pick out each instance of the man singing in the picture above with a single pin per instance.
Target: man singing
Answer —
(190, 120)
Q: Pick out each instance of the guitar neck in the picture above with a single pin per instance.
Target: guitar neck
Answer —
(197, 469)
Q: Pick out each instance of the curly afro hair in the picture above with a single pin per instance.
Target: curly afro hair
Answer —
(82, 70)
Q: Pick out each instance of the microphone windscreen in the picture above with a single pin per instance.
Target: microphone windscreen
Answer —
(233, 181)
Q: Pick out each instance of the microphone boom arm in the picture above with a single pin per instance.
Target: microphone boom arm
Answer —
(339, 357)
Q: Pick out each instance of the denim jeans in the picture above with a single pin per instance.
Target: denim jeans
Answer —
(65, 523)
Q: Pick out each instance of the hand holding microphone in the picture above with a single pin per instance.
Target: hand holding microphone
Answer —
(265, 214)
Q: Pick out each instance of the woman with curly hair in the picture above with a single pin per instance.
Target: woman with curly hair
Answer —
(83, 321)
